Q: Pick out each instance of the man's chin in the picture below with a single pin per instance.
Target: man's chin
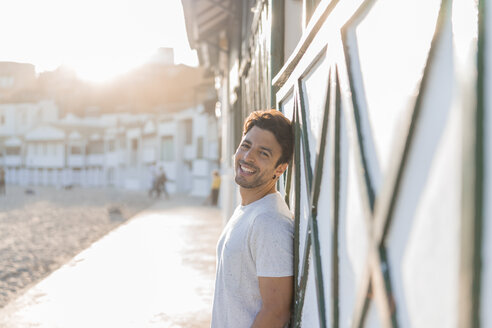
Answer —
(242, 183)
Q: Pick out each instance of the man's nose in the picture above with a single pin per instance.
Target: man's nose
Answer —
(249, 156)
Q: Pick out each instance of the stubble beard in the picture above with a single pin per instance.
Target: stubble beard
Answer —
(253, 184)
(256, 182)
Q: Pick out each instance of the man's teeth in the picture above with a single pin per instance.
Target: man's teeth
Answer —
(246, 169)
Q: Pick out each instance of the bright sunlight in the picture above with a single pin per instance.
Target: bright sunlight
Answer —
(98, 39)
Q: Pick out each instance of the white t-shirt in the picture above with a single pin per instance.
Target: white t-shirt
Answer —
(256, 242)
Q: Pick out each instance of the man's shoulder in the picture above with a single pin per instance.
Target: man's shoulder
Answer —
(274, 204)
(273, 225)
(273, 219)
(273, 216)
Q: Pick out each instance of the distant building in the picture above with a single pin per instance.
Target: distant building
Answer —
(19, 118)
(119, 150)
(15, 76)
(109, 142)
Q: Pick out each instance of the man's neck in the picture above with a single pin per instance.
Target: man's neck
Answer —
(250, 195)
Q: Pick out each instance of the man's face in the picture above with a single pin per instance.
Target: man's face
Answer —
(256, 158)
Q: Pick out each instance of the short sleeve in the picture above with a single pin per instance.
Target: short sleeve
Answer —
(272, 245)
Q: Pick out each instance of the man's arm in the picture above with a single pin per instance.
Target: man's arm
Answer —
(276, 296)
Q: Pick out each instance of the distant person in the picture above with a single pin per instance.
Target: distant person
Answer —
(2, 181)
(154, 175)
(214, 193)
(255, 264)
(161, 183)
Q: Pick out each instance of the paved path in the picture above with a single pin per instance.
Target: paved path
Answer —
(157, 270)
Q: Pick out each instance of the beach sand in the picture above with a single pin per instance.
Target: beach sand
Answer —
(41, 231)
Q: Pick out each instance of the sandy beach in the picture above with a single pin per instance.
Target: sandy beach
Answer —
(41, 231)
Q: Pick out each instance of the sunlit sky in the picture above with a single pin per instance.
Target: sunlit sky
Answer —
(99, 39)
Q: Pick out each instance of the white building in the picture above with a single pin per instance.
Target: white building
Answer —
(44, 157)
(12, 159)
(189, 149)
(18, 119)
(119, 150)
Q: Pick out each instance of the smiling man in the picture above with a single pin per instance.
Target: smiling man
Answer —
(254, 282)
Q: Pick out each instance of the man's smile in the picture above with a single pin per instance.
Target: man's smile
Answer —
(245, 168)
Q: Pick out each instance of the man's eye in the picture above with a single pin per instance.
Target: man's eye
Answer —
(264, 153)
(244, 146)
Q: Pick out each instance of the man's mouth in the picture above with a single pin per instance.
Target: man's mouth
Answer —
(246, 168)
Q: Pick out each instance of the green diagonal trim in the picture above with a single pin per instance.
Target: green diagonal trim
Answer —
(301, 291)
(479, 168)
(297, 207)
(314, 210)
(305, 139)
(336, 208)
(288, 184)
(369, 186)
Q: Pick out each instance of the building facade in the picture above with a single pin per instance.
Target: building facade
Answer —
(390, 186)
(118, 150)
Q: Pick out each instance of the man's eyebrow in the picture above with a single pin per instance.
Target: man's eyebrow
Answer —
(267, 149)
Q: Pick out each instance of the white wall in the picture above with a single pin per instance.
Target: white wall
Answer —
(20, 118)
(149, 151)
(293, 26)
(12, 160)
(402, 99)
(49, 154)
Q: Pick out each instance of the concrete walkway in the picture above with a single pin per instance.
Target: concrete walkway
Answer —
(157, 270)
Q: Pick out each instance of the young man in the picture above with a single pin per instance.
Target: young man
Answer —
(254, 281)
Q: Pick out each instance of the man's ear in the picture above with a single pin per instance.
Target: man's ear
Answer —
(281, 169)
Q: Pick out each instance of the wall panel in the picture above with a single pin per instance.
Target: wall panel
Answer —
(486, 300)
(392, 218)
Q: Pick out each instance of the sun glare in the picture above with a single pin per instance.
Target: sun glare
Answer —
(99, 40)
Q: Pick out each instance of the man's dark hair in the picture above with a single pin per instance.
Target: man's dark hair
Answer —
(281, 127)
